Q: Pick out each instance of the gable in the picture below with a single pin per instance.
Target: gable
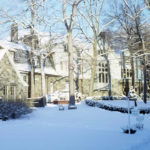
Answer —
(8, 72)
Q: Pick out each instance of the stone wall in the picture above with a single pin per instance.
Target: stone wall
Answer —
(10, 82)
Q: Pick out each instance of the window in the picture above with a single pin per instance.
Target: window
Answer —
(126, 73)
(5, 93)
(12, 90)
(5, 90)
(65, 48)
(103, 73)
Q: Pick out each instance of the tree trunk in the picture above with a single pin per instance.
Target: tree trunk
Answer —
(78, 70)
(32, 84)
(109, 78)
(71, 70)
(93, 68)
(131, 62)
(42, 77)
(132, 69)
(145, 83)
(82, 80)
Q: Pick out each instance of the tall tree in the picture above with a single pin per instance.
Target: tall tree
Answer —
(31, 55)
(90, 24)
(69, 24)
(130, 19)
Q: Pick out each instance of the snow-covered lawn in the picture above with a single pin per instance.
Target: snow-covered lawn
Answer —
(87, 128)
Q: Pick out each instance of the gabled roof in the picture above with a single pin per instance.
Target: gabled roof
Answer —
(13, 46)
(4, 52)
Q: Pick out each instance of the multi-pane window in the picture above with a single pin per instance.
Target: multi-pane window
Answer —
(103, 73)
(12, 90)
(126, 73)
(5, 90)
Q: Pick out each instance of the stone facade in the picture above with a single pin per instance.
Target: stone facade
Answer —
(57, 68)
(11, 84)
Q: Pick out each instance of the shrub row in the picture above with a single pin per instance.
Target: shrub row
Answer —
(109, 97)
(94, 103)
(11, 109)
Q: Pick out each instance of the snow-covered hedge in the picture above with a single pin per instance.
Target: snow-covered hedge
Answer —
(11, 109)
(96, 103)
(108, 97)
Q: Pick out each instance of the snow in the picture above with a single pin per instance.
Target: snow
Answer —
(13, 46)
(27, 68)
(85, 128)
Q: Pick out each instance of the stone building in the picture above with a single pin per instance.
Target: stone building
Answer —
(12, 86)
(110, 75)
(19, 55)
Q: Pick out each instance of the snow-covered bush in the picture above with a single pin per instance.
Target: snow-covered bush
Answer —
(108, 97)
(97, 97)
(100, 104)
(11, 109)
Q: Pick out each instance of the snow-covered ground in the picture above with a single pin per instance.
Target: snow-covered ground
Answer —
(86, 128)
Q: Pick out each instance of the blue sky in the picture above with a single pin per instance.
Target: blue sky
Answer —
(15, 7)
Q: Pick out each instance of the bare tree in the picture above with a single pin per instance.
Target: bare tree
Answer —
(33, 17)
(26, 25)
(91, 27)
(131, 21)
(69, 24)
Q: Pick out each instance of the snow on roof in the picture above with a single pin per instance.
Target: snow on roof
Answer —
(2, 52)
(13, 46)
(27, 68)
(5, 51)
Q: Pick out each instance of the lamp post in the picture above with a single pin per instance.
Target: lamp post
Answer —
(128, 114)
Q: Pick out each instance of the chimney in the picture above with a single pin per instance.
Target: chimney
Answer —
(103, 35)
(14, 33)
